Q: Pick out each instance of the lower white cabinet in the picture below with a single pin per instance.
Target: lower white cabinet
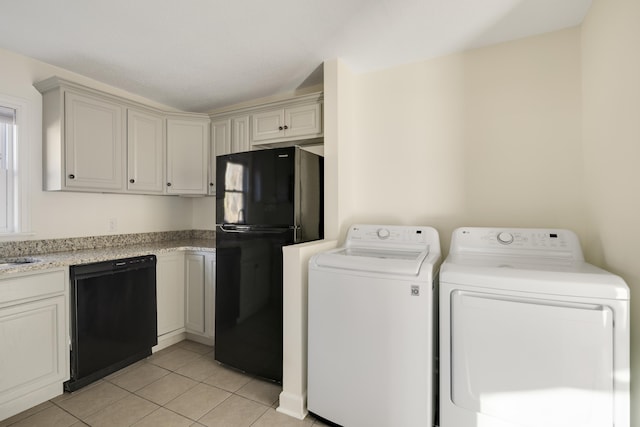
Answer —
(34, 336)
(200, 270)
(170, 293)
(185, 287)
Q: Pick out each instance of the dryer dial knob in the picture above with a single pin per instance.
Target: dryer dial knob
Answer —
(505, 238)
(383, 233)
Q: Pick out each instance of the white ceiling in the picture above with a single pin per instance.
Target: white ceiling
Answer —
(198, 55)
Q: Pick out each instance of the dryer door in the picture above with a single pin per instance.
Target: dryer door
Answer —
(532, 362)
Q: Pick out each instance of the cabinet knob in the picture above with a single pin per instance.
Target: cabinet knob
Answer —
(72, 176)
(286, 127)
(280, 128)
(132, 180)
(168, 184)
(211, 184)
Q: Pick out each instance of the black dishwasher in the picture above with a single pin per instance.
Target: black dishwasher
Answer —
(113, 317)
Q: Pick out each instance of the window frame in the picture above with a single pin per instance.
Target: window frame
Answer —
(20, 202)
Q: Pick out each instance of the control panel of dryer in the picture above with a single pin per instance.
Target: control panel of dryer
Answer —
(548, 242)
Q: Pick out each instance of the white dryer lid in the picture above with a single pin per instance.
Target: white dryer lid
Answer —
(527, 260)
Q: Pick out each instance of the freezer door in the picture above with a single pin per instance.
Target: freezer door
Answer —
(256, 188)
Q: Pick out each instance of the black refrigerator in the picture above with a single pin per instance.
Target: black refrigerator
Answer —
(265, 200)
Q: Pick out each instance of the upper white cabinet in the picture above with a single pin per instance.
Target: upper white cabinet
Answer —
(220, 144)
(187, 155)
(84, 141)
(94, 142)
(98, 142)
(240, 134)
(145, 151)
(229, 134)
(220, 136)
(298, 120)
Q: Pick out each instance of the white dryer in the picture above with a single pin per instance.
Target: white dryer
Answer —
(530, 334)
(371, 317)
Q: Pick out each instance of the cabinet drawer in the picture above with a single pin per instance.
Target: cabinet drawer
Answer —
(31, 285)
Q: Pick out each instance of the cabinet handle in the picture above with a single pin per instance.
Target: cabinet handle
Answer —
(286, 127)
(280, 128)
(132, 180)
(72, 176)
(168, 184)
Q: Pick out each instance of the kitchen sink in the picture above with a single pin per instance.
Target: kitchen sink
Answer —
(8, 262)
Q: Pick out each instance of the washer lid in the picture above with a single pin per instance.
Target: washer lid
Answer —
(391, 249)
(400, 262)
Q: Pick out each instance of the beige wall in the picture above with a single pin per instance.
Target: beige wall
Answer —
(487, 137)
(340, 105)
(55, 215)
(611, 129)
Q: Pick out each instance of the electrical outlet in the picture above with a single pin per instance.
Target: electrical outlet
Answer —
(113, 224)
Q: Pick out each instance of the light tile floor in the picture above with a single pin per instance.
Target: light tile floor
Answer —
(181, 385)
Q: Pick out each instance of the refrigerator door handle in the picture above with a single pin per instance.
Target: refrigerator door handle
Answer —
(250, 229)
(236, 229)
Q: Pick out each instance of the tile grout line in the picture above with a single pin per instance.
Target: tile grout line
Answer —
(231, 393)
(207, 356)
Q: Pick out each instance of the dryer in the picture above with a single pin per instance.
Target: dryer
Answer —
(371, 328)
(530, 334)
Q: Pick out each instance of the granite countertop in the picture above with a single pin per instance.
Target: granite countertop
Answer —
(85, 256)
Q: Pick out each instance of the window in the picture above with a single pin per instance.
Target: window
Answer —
(13, 167)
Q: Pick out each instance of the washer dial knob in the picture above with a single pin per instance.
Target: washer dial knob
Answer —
(505, 238)
(383, 233)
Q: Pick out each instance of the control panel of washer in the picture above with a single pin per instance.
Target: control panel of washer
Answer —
(361, 235)
(514, 240)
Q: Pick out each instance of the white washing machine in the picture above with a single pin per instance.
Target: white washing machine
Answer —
(371, 317)
(530, 334)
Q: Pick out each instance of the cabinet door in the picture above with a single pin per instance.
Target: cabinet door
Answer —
(94, 139)
(145, 152)
(170, 292)
(221, 137)
(195, 282)
(209, 293)
(240, 135)
(187, 156)
(200, 293)
(33, 348)
(220, 144)
(303, 121)
(268, 125)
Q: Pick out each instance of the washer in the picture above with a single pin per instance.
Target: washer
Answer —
(531, 334)
(371, 317)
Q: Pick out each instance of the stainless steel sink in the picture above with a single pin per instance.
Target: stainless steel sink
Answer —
(8, 262)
